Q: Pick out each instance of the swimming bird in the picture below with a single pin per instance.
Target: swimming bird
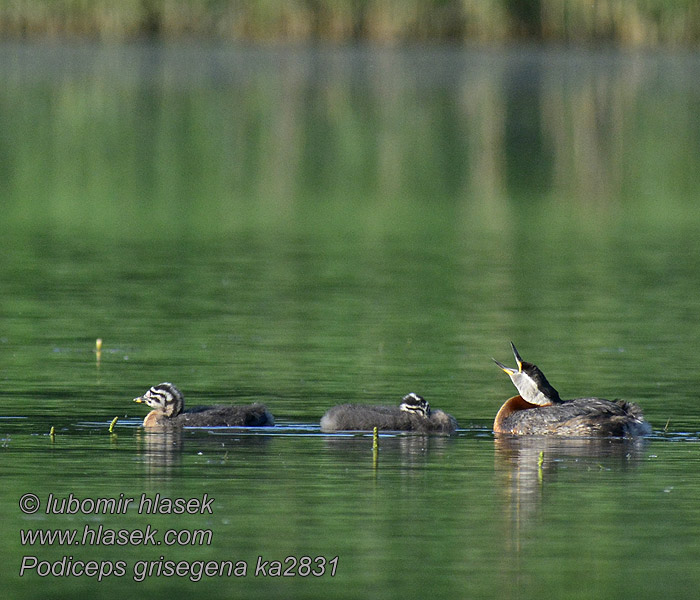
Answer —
(168, 406)
(539, 410)
(413, 414)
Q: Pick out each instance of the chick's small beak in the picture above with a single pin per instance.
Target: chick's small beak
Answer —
(139, 400)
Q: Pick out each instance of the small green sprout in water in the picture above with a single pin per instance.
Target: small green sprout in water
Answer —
(375, 449)
(112, 424)
(52, 433)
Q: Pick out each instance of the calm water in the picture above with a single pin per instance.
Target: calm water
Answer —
(307, 227)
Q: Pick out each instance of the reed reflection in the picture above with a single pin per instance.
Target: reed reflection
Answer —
(483, 127)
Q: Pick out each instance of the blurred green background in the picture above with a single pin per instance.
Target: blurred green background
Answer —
(626, 22)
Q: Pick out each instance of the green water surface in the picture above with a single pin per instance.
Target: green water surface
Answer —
(304, 227)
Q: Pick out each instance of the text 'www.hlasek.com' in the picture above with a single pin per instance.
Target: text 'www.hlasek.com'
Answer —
(94, 534)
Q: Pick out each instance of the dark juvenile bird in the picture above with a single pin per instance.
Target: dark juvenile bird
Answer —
(168, 406)
(539, 410)
(413, 414)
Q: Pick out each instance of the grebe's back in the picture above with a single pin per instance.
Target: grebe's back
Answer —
(579, 417)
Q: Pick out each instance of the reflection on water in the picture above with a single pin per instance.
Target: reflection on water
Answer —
(527, 464)
(277, 127)
(162, 451)
(406, 450)
(501, 511)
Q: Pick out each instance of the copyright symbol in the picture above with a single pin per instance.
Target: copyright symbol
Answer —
(29, 504)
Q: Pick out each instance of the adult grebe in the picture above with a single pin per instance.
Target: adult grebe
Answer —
(413, 414)
(168, 406)
(539, 410)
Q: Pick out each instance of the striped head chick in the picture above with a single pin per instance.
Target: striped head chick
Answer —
(416, 405)
(165, 399)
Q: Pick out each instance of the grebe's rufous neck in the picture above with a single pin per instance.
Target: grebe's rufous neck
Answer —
(531, 382)
(168, 406)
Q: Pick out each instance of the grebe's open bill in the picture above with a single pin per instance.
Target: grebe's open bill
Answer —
(508, 370)
(517, 357)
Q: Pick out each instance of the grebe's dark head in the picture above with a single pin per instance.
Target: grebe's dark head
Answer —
(413, 403)
(164, 398)
(530, 381)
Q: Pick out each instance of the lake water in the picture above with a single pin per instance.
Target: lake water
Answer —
(304, 227)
